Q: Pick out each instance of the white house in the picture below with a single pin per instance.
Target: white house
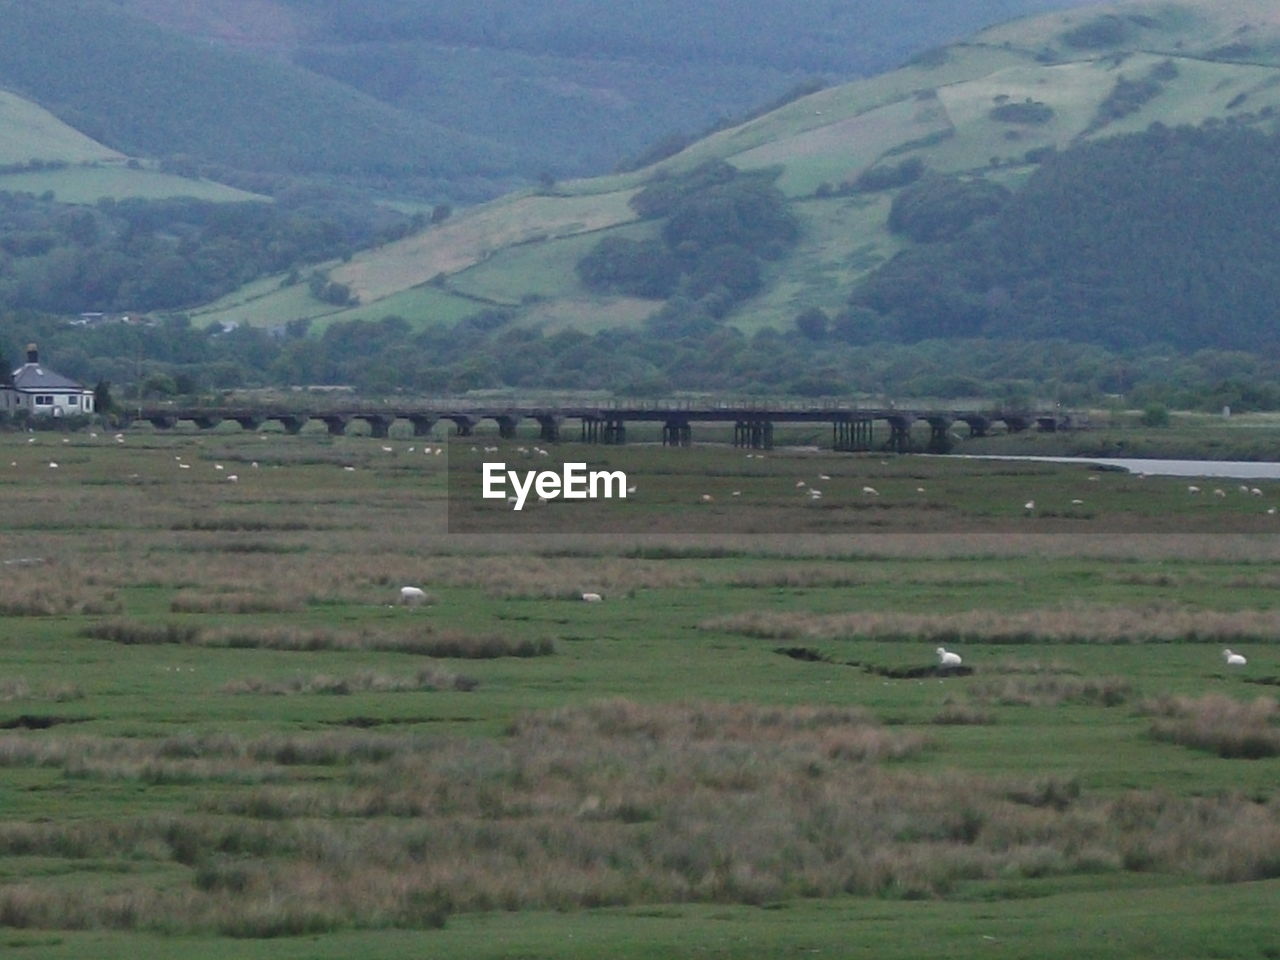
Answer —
(43, 392)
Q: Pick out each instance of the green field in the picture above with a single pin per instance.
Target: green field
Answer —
(221, 735)
(89, 184)
(33, 133)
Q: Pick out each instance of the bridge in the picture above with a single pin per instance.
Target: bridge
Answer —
(852, 427)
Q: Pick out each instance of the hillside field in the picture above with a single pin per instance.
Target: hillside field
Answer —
(223, 737)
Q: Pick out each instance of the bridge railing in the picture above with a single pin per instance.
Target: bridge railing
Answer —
(320, 404)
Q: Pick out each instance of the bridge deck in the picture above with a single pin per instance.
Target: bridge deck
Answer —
(606, 423)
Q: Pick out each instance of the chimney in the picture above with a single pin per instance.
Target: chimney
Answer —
(33, 356)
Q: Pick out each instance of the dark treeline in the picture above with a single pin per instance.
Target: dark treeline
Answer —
(1169, 236)
(146, 255)
(486, 351)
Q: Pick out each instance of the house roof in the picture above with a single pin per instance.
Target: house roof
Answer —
(33, 376)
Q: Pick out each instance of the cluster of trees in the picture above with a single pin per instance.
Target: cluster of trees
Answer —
(488, 351)
(144, 255)
(1167, 236)
(718, 226)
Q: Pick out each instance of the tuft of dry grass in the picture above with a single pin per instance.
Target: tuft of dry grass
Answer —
(191, 601)
(1083, 624)
(959, 713)
(366, 681)
(1049, 690)
(423, 640)
(1220, 724)
(56, 600)
(17, 688)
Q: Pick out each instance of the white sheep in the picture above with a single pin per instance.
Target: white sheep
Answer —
(1233, 659)
(946, 658)
(412, 596)
(871, 491)
(592, 597)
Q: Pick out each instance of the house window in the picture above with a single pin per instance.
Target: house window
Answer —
(44, 399)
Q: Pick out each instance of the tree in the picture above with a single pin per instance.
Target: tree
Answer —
(103, 402)
(813, 323)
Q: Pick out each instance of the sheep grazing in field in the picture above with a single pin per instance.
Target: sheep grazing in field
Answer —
(1029, 506)
(871, 491)
(707, 498)
(1219, 492)
(946, 658)
(1193, 489)
(592, 598)
(412, 596)
(1255, 492)
(1233, 659)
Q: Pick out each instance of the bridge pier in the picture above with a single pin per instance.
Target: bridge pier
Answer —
(336, 424)
(507, 426)
(250, 422)
(978, 426)
(677, 433)
(615, 432)
(900, 433)
(755, 434)
(163, 422)
(422, 425)
(939, 435)
(851, 435)
(294, 423)
(465, 426)
(379, 426)
(207, 423)
(549, 428)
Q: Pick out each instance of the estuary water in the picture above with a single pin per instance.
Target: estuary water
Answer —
(1235, 469)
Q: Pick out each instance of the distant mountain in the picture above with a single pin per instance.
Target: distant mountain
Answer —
(150, 92)
(916, 197)
(575, 86)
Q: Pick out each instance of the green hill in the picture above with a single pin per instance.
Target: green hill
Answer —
(992, 107)
(578, 85)
(149, 92)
